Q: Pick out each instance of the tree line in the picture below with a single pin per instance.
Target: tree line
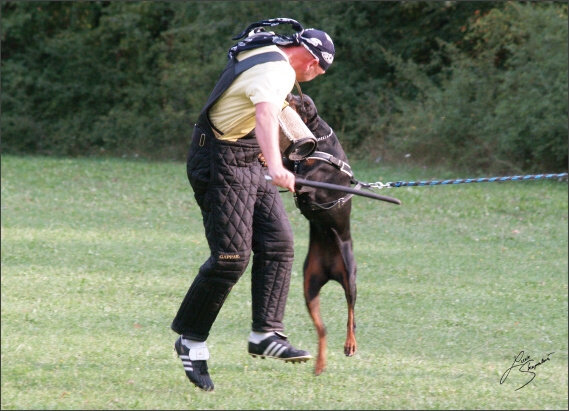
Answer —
(480, 86)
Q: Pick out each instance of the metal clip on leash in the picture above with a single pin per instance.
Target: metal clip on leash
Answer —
(378, 184)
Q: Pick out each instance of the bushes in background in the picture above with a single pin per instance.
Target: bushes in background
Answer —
(502, 106)
(478, 85)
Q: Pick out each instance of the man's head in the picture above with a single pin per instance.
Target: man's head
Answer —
(310, 51)
(303, 62)
(320, 45)
(313, 56)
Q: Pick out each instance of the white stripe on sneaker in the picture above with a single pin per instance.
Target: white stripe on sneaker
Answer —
(277, 349)
(269, 348)
(188, 366)
(186, 362)
(278, 354)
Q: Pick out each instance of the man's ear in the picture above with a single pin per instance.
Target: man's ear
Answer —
(314, 62)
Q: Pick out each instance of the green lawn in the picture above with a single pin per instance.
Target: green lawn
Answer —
(452, 285)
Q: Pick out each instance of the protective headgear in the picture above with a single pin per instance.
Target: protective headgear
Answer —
(320, 45)
(317, 42)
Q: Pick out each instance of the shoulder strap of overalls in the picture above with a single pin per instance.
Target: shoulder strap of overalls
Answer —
(232, 70)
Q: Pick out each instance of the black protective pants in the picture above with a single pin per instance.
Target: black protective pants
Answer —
(242, 213)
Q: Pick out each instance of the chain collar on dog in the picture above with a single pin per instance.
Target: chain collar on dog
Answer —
(327, 136)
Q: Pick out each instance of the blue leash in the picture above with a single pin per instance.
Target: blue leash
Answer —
(465, 180)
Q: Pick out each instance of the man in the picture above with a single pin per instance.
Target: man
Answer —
(242, 212)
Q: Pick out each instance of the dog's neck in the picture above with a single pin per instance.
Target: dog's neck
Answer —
(321, 130)
(314, 123)
(325, 137)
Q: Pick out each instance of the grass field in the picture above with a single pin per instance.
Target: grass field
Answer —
(453, 284)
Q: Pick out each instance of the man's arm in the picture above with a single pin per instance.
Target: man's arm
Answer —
(267, 131)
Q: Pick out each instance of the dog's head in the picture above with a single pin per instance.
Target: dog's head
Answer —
(304, 106)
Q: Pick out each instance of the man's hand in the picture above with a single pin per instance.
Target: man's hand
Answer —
(283, 178)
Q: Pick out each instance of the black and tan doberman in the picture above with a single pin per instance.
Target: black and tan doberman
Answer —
(330, 254)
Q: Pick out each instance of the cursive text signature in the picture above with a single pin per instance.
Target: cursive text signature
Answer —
(524, 365)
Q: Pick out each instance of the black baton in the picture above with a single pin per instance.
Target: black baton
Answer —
(344, 189)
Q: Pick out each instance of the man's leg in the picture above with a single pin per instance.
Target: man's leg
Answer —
(273, 249)
(227, 211)
(273, 256)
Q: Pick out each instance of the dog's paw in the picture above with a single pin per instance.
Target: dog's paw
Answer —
(350, 350)
(319, 368)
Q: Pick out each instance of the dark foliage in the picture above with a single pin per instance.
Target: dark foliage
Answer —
(129, 78)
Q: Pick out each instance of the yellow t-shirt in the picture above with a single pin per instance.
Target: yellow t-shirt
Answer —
(234, 113)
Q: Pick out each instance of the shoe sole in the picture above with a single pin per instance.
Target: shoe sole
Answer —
(293, 360)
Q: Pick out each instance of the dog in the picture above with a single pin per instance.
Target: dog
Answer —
(330, 252)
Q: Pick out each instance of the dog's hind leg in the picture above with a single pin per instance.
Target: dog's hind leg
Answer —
(314, 280)
(350, 347)
(346, 276)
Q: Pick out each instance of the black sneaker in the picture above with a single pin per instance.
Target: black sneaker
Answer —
(277, 346)
(195, 365)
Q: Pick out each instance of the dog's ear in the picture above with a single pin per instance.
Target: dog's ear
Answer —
(309, 108)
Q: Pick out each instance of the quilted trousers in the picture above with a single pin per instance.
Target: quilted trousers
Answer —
(243, 214)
